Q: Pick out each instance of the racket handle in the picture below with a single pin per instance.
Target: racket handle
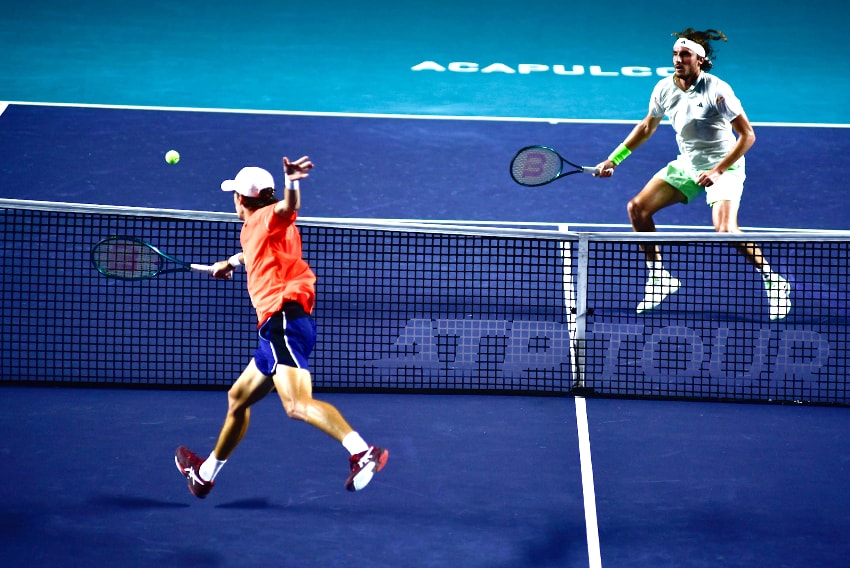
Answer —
(201, 267)
(589, 170)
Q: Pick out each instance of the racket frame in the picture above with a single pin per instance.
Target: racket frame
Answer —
(182, 266)
(577, 169)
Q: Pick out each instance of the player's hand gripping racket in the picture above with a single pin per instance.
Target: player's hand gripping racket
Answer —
(129, 258)
(539, 165)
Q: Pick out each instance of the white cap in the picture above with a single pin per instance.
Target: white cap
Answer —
(249, 182)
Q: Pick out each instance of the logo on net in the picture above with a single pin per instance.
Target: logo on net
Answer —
(517, 347)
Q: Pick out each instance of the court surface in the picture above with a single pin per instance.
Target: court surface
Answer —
(87, 477)
(87, 480)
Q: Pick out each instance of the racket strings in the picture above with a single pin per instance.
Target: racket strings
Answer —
(122, 259)
(536, 165)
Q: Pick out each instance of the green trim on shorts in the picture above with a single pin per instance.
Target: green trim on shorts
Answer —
(681, 179)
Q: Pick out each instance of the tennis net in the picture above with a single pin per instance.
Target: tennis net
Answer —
(430, 307)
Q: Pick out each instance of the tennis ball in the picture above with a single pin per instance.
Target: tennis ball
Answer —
(172, 156)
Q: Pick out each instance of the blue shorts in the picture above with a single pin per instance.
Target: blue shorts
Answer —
(286, 338)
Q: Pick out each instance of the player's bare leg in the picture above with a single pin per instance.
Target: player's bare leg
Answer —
(656, 195)
(724, 215)
(250, 387)
(295, 388)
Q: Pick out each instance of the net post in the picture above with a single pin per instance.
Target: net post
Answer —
(575, 296)
(577, 346)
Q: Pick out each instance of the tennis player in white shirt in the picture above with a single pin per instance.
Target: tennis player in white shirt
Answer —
(713, 134)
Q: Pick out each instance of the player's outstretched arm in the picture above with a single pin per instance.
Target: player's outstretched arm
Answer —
(293, 173)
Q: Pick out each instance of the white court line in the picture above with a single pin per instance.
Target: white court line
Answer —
(593, 551)
(550, 120)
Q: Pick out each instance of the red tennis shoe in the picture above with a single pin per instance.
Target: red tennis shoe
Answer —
(189, 464)
(364, 466)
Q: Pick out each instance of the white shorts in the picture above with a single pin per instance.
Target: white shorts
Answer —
(728, 187)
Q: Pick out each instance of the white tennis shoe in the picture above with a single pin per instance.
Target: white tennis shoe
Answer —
(778, 296)
(656, 291)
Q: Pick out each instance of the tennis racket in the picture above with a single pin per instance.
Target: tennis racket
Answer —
(129, 258)
(539, 165)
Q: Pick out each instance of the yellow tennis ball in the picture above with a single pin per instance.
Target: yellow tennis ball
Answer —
(172, 156)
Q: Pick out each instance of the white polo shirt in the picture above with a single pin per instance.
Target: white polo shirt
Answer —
(700, 116)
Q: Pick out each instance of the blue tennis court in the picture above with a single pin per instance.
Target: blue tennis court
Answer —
(411, 112)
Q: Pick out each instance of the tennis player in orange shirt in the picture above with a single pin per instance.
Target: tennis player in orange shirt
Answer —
(282, 289)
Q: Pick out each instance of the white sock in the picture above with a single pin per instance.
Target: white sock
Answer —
(766, 271)
(354, 443)
(210, 468)
(656, 268)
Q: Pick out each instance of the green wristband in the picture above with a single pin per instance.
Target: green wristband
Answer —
(619, 154)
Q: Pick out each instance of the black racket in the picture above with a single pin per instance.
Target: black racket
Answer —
(129, 258)
(539, 165)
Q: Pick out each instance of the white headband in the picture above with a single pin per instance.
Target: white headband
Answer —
(692, 45)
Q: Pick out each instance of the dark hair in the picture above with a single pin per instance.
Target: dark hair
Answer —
(265, 198)
(703, 38)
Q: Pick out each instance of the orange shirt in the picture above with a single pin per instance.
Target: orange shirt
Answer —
(271, 247)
